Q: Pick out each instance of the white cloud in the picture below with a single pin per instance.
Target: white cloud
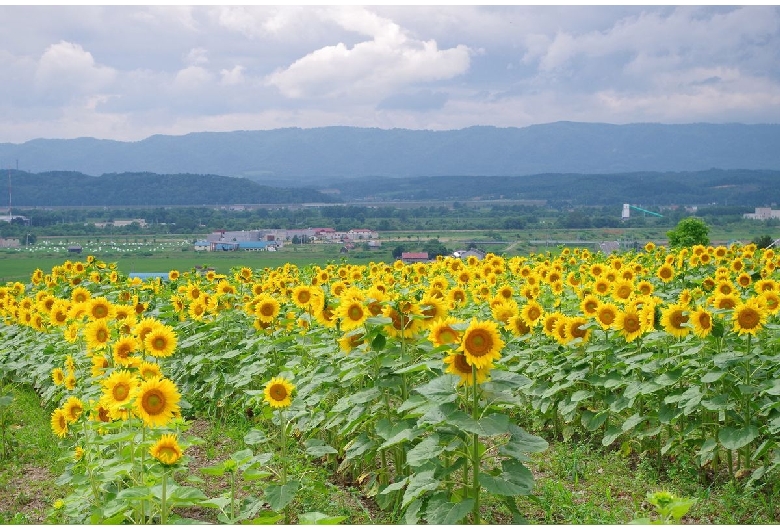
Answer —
(374, 67)
(234, 76)
(66, 70)
(197, 56)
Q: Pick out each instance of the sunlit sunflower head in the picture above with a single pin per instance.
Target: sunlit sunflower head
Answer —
(161, 341)
(532, 312)
(701, 319)
(197, 310)
(589, 305)
(725, 301)
(59, 423)
(123, 350)
(518, 326)
(73, 408)
(622, 290)
(674, 319)
(352, 314)
(144, 327)
(748, 317)
(402, 321)
(769, 301)
(70, 381)
(278, 393)
(173, 275)
(58, 376)
(457, 297)
(149, 370)
(97, 334)
(100, 309)
(575, 329)
(606, 313)
(481, 343)
(156, 401)
(504, 311)
(267, 309)
(80, 295)
(443, 332)
(550, 322)
(99, 365)
(458, 365)
(118, 389)
(665, 273)
(630, 324)
(166, 449)
(432, 309)
(59, 313)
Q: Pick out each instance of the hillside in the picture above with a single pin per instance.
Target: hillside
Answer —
(294, 156)
(67, 188)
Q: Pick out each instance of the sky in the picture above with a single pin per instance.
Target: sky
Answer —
(126, 73)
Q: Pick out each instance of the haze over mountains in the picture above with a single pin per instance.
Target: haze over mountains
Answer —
(289, 157)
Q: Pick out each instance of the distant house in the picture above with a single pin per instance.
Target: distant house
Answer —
(465, 254)
(362, 233)
(224, 246)
(202, 245)
(9, 242)
(75, 249)
(256, 245)
(414, 257)
(762, 214)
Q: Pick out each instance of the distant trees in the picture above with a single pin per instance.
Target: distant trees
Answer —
(763, 241)
(689, 232)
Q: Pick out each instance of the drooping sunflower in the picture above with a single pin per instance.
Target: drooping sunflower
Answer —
(118, 389)
(59, 423)
(674, 320)
(161, 341)
(278, 392)
(166, 449)
(351, 341)
(481, 343)
(72, 409)
(157, 401)
(748, 317)
(458, 365)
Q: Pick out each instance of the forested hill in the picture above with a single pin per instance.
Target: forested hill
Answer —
(289, 156)
(65, 188)
(723, 187)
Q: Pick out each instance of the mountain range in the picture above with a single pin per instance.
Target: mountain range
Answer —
(294, 156)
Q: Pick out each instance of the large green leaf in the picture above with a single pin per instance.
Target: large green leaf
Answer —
(280, 495)
(424, 451)
(419, 483)
(319, 518)
(733, 438)
(317, 448)
(448, 513)
(500, 485)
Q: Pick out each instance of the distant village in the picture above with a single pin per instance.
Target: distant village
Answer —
(272, 240)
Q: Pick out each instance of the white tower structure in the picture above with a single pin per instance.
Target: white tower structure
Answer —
(626, 212)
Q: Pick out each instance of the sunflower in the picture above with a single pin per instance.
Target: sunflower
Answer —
(701, 319)
(80, 295)
(443, 333)
(99, 365)
(352, 314)
(518, 326)
(629, 323)
(457, 296)
(351, 341)
(144, 327)
(402, 321)
(118, 388)
(123, 349)
(725, 301)
(173, 275)
(458, 365)
(166, 449)
(157, 401)
(59, 313)
(100, 309)
(665, 273)
(622, 290)
(70, 381)
(278, 391)
(602, 286)
(606, 314)
(481, 343)
(149, 370)
(589, 305)
(267, 308)
(197, 309)
(78, 453)
(303, 296)
(575, 329)
(432, 309)
(504, 311)
(161, 341)
(73, 409)
(770, 301)
(58, 376)
(748, 317)
(59, 423)
(532, 313)
(674, 320)
(97, 334)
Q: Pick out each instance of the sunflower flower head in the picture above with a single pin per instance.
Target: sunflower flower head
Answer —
(278, 392)
(166, 449)
(481, 343)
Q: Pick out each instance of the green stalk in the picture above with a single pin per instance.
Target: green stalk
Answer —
(475, 454)
(748, 415)
(163, 508)
(283, 425)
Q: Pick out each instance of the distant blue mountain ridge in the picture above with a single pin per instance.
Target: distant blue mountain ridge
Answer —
(294, 156)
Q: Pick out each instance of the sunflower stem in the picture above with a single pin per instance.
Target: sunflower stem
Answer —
(475, 454)
(283, 438)
(163, 508)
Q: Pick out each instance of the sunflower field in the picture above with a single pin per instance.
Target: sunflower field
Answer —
(426, 385)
